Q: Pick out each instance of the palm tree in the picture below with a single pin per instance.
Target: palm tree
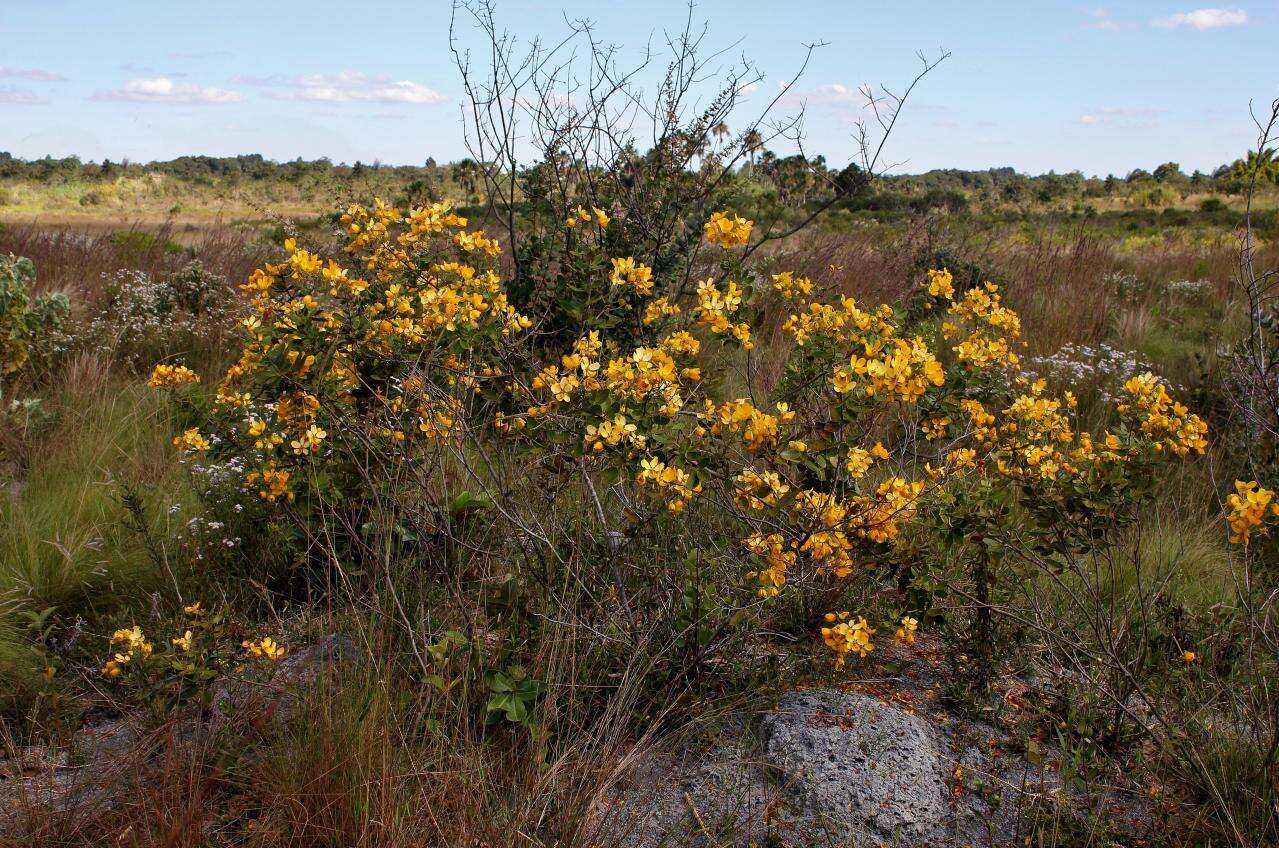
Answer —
(752, 141)
(467, 173)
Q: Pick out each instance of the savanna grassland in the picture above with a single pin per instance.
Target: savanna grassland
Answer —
(467, 504)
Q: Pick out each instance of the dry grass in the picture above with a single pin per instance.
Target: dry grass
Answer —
(73, 261)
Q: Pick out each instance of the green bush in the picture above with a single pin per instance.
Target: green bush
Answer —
(27, 325)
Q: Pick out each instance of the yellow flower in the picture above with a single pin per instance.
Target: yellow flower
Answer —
(183, 642)
(906, 632)
(791, 287)
(728, 230)
(191, 441)
(193, 609)
(847, 636)
(1188, 656)
(168, 376)
(935, 428)
(309, 441)
(637, 274)
(1247, 510)
(274, 483)
(266, 648)
(941, 284)
(134, 640)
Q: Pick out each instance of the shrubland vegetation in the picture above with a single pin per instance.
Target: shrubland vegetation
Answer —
(593, 455)
(200, 189)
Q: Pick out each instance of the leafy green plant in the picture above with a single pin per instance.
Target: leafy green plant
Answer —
(27, 324)
(513, 696)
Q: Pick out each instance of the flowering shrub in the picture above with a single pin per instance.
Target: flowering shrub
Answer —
(166, 671)
(405, 349)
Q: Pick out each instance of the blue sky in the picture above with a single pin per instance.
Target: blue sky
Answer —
(1035, 85)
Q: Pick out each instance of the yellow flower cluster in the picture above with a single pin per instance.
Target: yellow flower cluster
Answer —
(941, 284)
(791, 287)
(1248, 507)
(756, 490)
(273, 483)
(878, 362)
(992, 327)
(772, 550)
(133, 644)
(847, 635)
(844, 323)
(895, 503)
(437, 418)
(758, 428)
(717, 309)
(168, 376)
(264, 648)
(599, 216)
(611, 433)
(728, 230)
(906, 630)
(659, 308)
(191, 441)
(1037, 435)
(674, 482)
(647, 371)
(321, 333)
(629, 272)
(898, 369)
(859, 460)
(1169, 423)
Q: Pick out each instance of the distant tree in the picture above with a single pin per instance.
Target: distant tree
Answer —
(1169, 172)
(1263, 164)
(752, 141)
(468, 174)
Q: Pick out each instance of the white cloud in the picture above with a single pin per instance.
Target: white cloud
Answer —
(1101, 20)
(346, 87)
(838, 93)
(748, 89)
(1128, 117)
(33, 74)
(1205, 19)
(9, 94)
(165, 90)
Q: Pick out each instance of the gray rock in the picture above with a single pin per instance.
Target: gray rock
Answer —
(278, 694)
(860, 771)
(688, 800)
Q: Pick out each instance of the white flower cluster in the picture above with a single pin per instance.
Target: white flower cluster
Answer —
(1123, 284)
(144, 315)
(1189, 289)
(1103, 368)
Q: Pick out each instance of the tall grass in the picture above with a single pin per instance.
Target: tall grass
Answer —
(68, 545)
(74, 261)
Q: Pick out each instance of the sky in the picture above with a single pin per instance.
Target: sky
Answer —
(1036, 85)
